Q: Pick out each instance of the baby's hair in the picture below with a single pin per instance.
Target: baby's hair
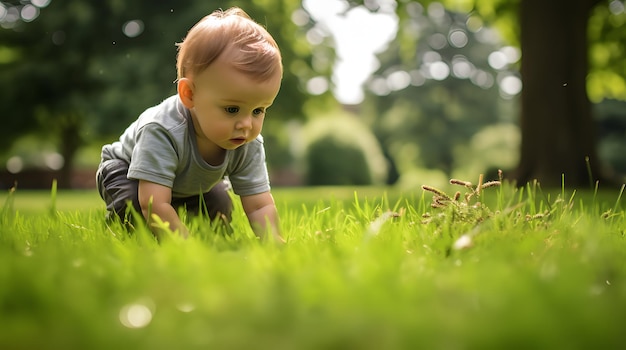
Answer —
(232, 33)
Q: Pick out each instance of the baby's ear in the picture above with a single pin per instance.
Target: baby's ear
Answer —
(185, 92)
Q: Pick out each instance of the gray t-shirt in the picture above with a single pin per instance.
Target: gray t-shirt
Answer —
(160, 147)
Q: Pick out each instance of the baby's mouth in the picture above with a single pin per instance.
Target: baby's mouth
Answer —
(238, 140)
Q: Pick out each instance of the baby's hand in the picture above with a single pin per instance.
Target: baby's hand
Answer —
(158, 225)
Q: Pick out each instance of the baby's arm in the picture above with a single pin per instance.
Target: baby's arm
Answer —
(261, 211)
(161, 197)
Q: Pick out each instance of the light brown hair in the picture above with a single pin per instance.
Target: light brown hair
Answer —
(246, 44)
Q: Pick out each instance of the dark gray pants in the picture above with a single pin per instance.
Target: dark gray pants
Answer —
(118, 191)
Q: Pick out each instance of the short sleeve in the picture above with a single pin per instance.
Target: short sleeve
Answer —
(248, 172)
(154, 157)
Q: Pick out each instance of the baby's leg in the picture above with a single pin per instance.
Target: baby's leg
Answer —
(116, 189)
(217, 203)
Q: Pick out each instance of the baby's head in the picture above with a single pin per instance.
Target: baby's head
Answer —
(231, 34)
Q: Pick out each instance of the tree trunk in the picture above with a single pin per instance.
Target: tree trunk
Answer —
(556, 122)
(70, 142)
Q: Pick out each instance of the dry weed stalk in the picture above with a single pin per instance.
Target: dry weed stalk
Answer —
(465, 207)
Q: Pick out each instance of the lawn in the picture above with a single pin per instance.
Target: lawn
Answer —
(364, 268)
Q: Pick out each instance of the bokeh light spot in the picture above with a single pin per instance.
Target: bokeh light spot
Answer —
(300, 17)
(431, 56)
(58, 37)
(15, 164)
(398, 80)
(511, 53)
(482, 79)
(488, 36)
(462, 68)
(379, 86)
(437, 41)
(414, 9)
(315, 36)
(135, 315)
(458, 38)
(3, 12)
(417, 78)
(11, 16)
(29, 13)
(317, 85)
(439, 70)
(186, 307)
(616, 7)
(133, 28)
(510, 85)
(436, 10)
(54, 161)
(474, 23)
(40, 3)
(497, 60)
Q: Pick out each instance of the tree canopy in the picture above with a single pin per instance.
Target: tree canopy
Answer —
(82, 70)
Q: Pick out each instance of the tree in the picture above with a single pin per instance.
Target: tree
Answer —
(77, 71)
(426, 108)
(556, 123)
(47, 71)
(556, 119)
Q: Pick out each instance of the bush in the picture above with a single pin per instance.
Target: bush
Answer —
(340, 150)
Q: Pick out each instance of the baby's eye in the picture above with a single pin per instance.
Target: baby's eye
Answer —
(231, 110)
(258, 111)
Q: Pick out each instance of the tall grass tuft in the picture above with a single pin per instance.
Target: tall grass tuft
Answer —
(53, 198)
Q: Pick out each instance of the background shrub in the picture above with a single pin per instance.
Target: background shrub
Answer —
(341, 150)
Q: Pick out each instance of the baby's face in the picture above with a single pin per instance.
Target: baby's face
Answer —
(230, 107)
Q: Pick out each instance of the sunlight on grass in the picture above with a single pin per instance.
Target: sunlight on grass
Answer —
(366, 268)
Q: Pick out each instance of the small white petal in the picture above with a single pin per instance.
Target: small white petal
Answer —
(463, 242)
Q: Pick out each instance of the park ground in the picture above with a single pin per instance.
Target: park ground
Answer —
(363, 268)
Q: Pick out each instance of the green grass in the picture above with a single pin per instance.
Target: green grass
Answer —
(544, 270)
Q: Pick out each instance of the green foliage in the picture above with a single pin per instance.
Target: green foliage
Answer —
(493, 147)
(359, 270)
(419, 21)
(607, 78)
(611, 121)
(75, 77)
(340, 150)
(606, 20)
(431, 123)
(332, 161)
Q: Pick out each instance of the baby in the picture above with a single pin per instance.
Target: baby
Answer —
(178, 153)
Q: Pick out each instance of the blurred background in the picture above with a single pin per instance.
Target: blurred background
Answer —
(375, 92)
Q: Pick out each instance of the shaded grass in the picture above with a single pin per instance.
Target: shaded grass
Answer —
(349, 277)
(38, 201)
